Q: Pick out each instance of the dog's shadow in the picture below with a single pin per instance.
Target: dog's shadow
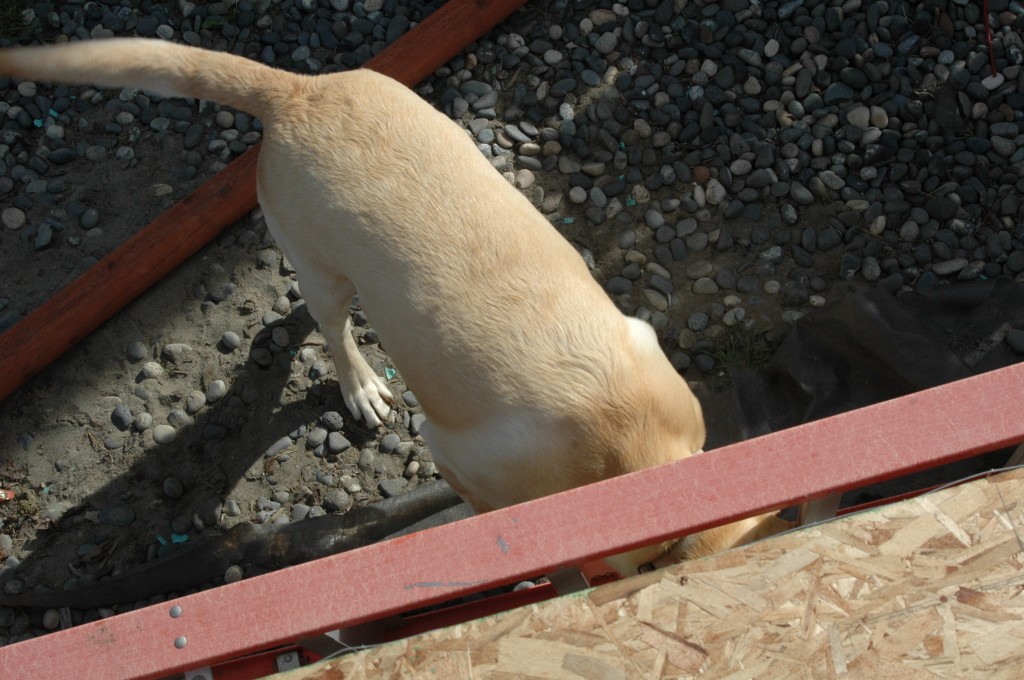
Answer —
(132, 519)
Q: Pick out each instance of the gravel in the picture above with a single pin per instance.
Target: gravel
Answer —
(727, 166)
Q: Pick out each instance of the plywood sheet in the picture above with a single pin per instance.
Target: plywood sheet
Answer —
(926, 588)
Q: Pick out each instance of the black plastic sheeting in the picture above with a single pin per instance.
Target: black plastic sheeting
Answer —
(869, 347)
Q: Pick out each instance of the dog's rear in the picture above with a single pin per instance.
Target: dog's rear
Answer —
(532, 381)
(165, 68)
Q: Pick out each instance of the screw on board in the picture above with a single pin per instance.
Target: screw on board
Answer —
(288, 661)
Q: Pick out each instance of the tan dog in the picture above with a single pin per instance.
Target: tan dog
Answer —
(532, 381)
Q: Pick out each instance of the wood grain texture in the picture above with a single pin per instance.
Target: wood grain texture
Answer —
(926, 588)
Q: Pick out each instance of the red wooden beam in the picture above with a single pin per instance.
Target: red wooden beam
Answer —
(835, 454)
(82, 306)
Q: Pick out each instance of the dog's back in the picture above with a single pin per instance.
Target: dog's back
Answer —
(532, 381)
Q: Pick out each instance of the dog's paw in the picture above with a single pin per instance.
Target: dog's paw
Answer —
(366, 396)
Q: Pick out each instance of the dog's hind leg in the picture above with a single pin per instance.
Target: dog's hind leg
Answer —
(365, 394)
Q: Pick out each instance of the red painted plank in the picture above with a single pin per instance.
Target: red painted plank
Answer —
(439, 37)
(79, 308)
(886, 440)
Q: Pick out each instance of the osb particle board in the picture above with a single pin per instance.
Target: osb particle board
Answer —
(926, 588)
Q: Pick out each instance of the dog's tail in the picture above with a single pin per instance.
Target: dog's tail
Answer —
(166, 68)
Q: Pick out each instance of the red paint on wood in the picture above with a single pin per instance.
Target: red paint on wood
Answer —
(828, 456)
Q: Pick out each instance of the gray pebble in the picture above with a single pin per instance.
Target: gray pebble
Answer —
(734, 316)
(800, 194)
(618, 285)
(333, 421)
(859, 116)
(336, 500)
(1015, 339)
(164, 434)
(705, 286)
(179, 418)
(392, 487)
(173, 488)
(177, 352)
(194, 402)
(389, 442)
(44, 236)
(773, 254)
(230, 340)
(278, 447)
(316, 437)
(13, 218)
(216, 391)
(233, 574)
(118, 516)
(51, 619)
(280, 337)
(871, 269)
(949, 267)
(336, 443)
(137, 351)
(697, 321)
(143, 422)
(121, 417)
(89, 219)
(705, 363)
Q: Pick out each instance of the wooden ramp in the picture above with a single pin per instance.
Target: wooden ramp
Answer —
(926, 588)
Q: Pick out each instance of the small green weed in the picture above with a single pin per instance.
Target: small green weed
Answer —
(742, 347)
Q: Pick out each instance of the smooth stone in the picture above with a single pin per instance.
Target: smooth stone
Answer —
(278, 447)
(173, 488)
(316, 437)
(195, 402)
(216, 391)
(137, 351)
(336, 500)
(1015, 339)
(392, 487)
(233, 574)
(122, 417)
(389, 442)
(177, 352)
(164, 434)
(859, 116)
(230, 340)
(705, 286)
(118, 516)
(697, 321)
(949, 267)
(13, 218)
(336, 443)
